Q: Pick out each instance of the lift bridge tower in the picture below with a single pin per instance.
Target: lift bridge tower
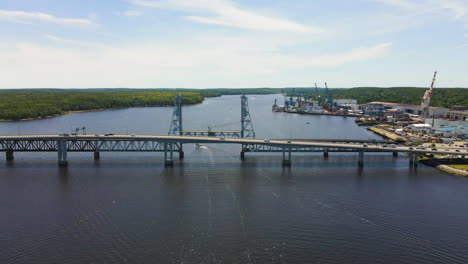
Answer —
(176, 128)
(176, 124)
(247, 129)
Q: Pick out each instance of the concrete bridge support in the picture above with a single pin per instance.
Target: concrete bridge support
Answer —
(395, 154)
(168, 160)
(181, 152)
(325, 154)
(62, 153)
(286, 162)
(97, 155)
(9, 155)
(413, 160)
(361, 159)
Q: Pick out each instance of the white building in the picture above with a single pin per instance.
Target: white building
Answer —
(420, 127)
(409, 109)
(347, 103)
(439, 122)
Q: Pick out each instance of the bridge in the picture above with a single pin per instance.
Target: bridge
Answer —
(177, 137)
(246, 130)
(169, 144)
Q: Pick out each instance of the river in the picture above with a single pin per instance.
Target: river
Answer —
(214, 208)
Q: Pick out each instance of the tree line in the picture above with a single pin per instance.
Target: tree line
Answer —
(441, 97)
(31, 104)
(40, 103)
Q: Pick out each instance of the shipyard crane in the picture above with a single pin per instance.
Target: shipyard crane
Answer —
(329, 96)
(291, 99)
(427, 97)
(319, 97)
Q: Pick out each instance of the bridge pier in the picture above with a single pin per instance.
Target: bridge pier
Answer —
(413, 160)
(361, 159)
(9, 155)
(325, 154)
(395, 154)
(168, 161)
(286, 162)
(97, 155)
(62, 153)
(242, 155)
(181, 151)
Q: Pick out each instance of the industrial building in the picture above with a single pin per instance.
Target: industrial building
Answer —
(350, 104)
(458, 115)
(378, 108)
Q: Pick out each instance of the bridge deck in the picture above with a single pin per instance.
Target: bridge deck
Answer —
(156, 143)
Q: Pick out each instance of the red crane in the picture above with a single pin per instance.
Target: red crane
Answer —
(428, 94)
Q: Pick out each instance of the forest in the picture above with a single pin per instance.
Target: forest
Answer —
(41, 103)
(441, 97)
(19, 104)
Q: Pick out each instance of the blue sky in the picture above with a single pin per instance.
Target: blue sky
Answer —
(227, 43)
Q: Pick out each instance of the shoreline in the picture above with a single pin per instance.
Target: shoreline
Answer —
(441, 164)
(83, 111)
(311, 113)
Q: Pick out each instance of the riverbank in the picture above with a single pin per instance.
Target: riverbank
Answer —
(79, 111)
(318, 113)
(443, 165)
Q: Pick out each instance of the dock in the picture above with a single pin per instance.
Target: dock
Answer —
(387, 134)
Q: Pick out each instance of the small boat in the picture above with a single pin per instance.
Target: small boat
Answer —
(307, 123)
(200, 146)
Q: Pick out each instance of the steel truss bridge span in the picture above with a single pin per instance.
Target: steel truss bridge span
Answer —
(168, 144)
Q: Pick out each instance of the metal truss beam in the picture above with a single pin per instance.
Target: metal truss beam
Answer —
(208, 133)
(86, 145)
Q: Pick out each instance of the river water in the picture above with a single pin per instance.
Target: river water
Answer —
(214, 208)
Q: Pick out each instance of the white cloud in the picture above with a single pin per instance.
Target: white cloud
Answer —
(70, 42)
(131, 13)
(466, 35)
(27, 17)
(226, 13)
(456, 8)
(155, 64)
(355, 55)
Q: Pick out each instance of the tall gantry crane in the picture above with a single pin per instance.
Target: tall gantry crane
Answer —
(319, 97)
(329, 96)
(426, 100)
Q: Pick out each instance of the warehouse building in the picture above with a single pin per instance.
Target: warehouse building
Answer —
(378, 108)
